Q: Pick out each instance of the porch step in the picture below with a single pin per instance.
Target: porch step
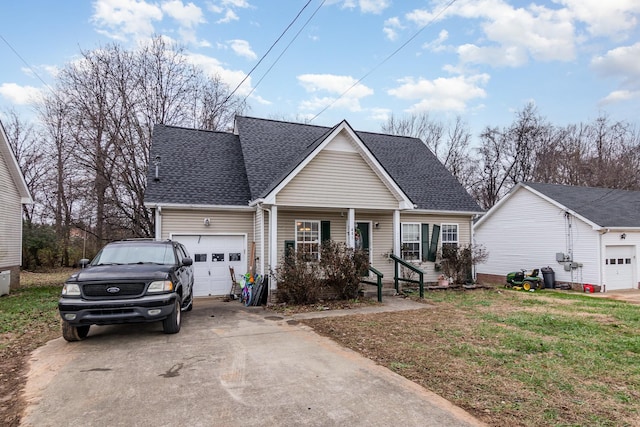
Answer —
(371, 291)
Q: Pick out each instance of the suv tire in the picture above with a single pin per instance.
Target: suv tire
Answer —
(171, 325)
(74, 333)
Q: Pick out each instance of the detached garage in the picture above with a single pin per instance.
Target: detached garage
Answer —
(587, 235)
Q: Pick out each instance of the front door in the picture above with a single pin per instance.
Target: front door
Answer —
(363, 240)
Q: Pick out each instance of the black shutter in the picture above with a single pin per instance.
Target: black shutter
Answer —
(425, 242)
(433, 248)
(325, 231)
(289, 248)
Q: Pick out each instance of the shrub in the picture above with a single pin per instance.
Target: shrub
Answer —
(298, 280)
(337, 274)
(342, 268)
(457, 261)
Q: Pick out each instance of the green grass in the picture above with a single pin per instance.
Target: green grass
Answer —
(26, 308)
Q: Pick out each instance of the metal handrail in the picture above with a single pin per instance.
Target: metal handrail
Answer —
(411, 267)
(378, 282)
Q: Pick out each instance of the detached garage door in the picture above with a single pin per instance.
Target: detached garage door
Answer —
(619, 267)
(212, 257)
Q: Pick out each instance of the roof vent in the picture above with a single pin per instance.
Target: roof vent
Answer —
(157, 162)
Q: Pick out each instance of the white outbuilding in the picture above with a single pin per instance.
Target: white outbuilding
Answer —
(587, 236)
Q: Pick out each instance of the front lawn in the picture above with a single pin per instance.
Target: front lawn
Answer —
(511, 357)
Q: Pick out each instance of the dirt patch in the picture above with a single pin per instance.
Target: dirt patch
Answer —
(15, 352)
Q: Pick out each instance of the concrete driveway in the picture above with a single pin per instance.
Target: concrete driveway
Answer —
(229, 366)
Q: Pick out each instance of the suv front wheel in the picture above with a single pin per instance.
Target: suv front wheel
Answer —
(171, 325)
(74, 333)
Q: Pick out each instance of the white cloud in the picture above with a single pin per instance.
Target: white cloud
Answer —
(365, 6)
(336, 86)
(119, 19)
(620, 96)
(441, 94)
(620, 62)
(242, 48)
(538, 32)
(20, 95)
(188, 15)
(229, 16)
(612, 18)
(391, 27)
(437, 44)
(373, 6)
(213, 67)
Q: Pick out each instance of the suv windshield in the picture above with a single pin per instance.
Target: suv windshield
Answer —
(132, 253)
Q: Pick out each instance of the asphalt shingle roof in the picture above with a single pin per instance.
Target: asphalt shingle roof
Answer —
(603, 206)
(197, 167)
(265, 151)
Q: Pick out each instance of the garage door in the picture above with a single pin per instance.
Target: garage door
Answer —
(619, 267)
(212, 257)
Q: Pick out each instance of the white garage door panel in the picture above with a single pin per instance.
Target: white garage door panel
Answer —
(619, 267)
(212, 257)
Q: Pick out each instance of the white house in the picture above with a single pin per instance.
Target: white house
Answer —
(244, 198)
(13, 194)
(586, 235)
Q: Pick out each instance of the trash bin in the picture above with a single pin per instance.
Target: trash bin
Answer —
(549, 277)
(5, 282)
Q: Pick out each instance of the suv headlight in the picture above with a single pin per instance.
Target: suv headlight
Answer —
(160, 286)
(71, 290)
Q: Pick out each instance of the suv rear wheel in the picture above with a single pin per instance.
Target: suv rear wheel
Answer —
(171, 325)
(74, 333)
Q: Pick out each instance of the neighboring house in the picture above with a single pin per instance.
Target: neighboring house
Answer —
(235, 199)
(586, 235)
(13, 194)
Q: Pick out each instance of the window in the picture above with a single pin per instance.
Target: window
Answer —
(410, 242)
(449, 236)
(308, 239)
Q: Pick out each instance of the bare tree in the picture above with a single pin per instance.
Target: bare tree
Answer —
(24, 143)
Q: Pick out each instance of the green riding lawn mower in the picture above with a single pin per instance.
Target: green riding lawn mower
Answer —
(524, 280)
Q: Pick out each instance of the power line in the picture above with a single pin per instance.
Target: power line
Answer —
(285, 49)
(27, 65)
(267, 52)
(385, 59)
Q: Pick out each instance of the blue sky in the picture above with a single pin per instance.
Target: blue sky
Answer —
(479, 59)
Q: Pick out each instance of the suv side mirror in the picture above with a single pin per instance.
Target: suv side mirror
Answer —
(84, 262)
(187, 262)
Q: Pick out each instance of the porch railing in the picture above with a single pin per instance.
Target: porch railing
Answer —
(399, 261)
(378, 282)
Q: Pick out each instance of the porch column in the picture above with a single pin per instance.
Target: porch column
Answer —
(262, 242)
(351, 228)
(396, 233)
(273, 243)
(158, 223)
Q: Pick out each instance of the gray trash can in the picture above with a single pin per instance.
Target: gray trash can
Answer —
(549, 277)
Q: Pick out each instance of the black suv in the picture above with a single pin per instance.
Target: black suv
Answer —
(129, 281)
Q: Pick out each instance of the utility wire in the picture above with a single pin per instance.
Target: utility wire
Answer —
(385, 59)
(267, 52)
(285, 49)
(28, 65)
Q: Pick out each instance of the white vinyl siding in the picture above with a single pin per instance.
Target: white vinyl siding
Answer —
(527, 231)
(337, 179)
(10, 219)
